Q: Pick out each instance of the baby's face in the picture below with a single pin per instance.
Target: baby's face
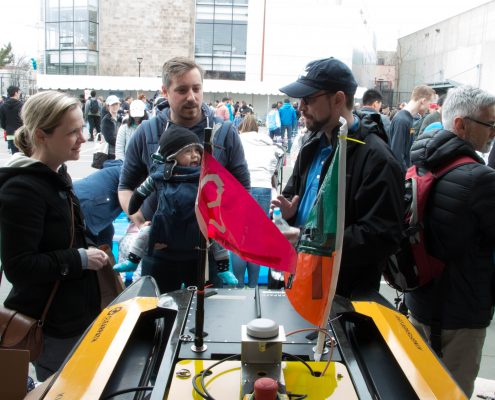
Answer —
(190, 157)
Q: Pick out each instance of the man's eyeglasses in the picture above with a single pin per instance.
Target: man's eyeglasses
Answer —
(488, 124)
(309, 99)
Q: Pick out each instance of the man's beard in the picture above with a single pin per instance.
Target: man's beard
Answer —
(316, 126)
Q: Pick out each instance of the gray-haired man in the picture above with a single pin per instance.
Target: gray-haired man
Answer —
(460, 230)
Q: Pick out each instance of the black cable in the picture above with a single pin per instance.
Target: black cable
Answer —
(301, 360)
(129, 390)
(297, 396)
(206, 370)
(197, 389)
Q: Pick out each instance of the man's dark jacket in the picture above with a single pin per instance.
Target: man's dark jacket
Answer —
(10, 115)
(460, 229)
(374, 202)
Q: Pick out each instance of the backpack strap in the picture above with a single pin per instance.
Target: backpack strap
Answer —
(220, 135)
(154, 130)
(438, 173)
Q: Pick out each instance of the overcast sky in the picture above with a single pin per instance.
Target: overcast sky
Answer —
(19, 20)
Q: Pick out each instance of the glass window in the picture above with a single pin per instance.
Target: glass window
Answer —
(52, 57)
(92, 57)
(205, 62)
(52, 42)
(66, 57)
(223, 13)
(221, 64)
(66, 70)
(81, 34)
(66, 10)
(238, 64)
(92, 70)
(222, 34)
(240, 14)
(204, 38)
(51, 10)
(239, 39)
(66, 35)
(204, 12)
(81, 69)
(71, 24)
(93, 11)
(81, 13)
(81, 57)
(93, 36)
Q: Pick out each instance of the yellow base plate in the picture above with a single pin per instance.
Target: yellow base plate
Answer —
(225, 382)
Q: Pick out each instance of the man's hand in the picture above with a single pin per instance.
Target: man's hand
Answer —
(287, 207)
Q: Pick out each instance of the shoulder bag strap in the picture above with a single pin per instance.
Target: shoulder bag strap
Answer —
(57, 284)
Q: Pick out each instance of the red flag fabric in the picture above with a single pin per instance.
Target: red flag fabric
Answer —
(227, 213)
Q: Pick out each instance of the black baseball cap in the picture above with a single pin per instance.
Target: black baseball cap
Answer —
(326, 74)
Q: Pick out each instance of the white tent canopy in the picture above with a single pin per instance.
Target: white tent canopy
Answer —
(110, 83)
(132, 83)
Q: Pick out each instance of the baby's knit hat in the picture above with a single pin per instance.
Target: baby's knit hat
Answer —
(175, 139)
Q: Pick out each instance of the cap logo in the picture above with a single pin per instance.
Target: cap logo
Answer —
(304, 73)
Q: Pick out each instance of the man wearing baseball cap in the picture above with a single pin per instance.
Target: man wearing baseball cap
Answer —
(374, 192)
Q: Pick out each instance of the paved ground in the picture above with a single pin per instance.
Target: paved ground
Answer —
(486, 382)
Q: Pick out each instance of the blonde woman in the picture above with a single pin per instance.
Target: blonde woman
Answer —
(261, 156)
(42, 238)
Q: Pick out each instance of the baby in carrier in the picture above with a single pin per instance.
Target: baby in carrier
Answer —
(174, 231)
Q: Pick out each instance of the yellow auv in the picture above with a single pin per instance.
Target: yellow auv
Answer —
(88, 370)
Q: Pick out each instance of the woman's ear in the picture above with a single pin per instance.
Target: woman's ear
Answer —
(39, 135)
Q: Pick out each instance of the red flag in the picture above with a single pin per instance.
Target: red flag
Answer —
(227, 213)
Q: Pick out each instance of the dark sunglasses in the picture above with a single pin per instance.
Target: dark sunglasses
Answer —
(309, 99)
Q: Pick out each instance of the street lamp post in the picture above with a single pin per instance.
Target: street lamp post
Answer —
(139, 60)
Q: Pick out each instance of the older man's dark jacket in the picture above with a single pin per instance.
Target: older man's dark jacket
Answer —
(460, 229)
(374, 203)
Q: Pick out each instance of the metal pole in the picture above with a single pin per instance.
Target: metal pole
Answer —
(139, 60)
(199, 346)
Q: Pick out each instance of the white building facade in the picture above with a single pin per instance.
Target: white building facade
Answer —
(459, 50)
(249, 47)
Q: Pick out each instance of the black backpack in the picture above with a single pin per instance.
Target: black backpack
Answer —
(94, 107)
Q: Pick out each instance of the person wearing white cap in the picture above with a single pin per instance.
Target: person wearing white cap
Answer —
(137, 114)
(109, 124)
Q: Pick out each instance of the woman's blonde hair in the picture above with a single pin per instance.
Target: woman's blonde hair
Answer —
(248, 124)
(43, 111)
